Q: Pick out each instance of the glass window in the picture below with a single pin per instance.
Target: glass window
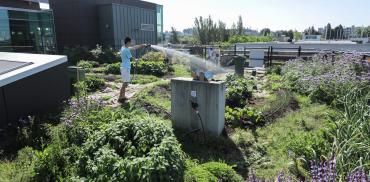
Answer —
(27, 31)
(4, 14)
(4, 33)
(160, 23)
(18, 15)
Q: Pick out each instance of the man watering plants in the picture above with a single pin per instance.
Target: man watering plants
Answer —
(127, 58)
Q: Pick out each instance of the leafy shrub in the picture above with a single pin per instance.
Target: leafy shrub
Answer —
(222, 171)
(274, 70)
(242, 116)
(133, 150)
(150, 68)
(237, 92)
(153, 57)
(246, 38)
(21, 169)
(212, 171)
(199, 174)
(105, 55)
(325, 77)
(114, 69)
(77, 53)
(94, 83)
(86, 65)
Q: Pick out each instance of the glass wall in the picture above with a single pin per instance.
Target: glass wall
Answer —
(22, 31)
(160, 35)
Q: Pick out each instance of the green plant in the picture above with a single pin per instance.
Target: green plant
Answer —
(349, 131)
(21, 169)
(247, 38)
(104, 54)
(237, 92)
(114, 69)
(77, 53)
(86, 65)
(212, 171)
(222, 171)
(144, 79)
(243, 116)
(150, 68)
(153, 57)
(136, 149)
(94, 83)
(311, 146)
(276, 69)
(199, 174)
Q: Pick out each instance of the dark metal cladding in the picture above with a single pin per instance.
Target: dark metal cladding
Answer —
(40, 93)
(80, 26)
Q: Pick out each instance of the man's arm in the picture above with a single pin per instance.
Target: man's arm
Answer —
(137, 47)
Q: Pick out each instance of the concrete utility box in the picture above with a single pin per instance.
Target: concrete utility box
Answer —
(257, 58)
(210, 97)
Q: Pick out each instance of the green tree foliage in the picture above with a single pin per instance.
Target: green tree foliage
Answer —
(363, 32)
(297, 35)
(247, 38)
(311, 31)
(174, 36)
(265, 32)
(240, 26)
(328, 32)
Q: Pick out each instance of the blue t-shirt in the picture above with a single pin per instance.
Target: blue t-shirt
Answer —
(126, 58)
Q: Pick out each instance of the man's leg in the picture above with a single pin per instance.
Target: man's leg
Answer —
(122, 92)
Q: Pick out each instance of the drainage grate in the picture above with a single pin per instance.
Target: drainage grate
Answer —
(8, 66)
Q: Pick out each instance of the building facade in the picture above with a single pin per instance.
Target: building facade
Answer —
(26, 27)
(311, 37)
(106, 22)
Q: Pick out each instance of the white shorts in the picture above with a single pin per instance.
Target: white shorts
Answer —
(125, 73)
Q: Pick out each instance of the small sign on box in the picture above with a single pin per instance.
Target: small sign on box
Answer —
(193, 93)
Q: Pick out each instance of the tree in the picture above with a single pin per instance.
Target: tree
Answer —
(338, 32)
(174, 36)
(290, 34)
(328, 32)
(207, 31)
(240, 26)
(200, 30)
(265, 32)
(297, 35)
(233, 30)
(224, 34)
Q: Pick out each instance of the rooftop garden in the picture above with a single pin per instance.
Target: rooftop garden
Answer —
(305, 120)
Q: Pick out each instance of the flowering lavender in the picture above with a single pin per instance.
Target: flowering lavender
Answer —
(358, 176)
(323, 171)
(330, 73)
(78, 108)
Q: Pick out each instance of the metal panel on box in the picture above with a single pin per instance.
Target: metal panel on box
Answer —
(210, 97)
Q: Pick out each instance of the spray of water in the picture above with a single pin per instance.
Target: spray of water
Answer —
(196, 64)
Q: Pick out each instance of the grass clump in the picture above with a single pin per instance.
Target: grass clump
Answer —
(212, 171)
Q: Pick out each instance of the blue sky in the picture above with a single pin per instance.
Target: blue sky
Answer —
(275, 14)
